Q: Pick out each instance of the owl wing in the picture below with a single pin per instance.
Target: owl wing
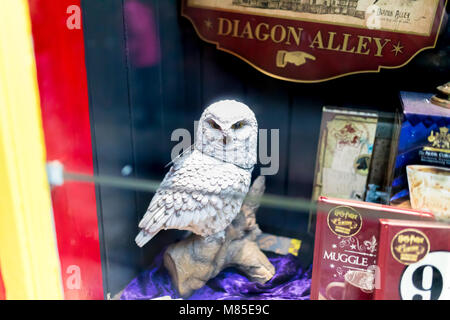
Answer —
(197, 197)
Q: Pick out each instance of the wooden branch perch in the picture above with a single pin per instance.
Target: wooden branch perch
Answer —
(195, 260)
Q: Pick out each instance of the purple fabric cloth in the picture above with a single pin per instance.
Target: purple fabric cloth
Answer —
(290, 282)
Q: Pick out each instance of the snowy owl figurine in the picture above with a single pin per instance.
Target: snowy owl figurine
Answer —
(204, 190)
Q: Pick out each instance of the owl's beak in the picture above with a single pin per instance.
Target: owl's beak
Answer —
(225, 138)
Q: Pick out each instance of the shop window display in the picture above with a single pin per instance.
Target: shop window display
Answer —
(247, 149)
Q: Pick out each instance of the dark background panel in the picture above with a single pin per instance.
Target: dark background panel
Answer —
(219, 79)
(272, 106)
(155, 90)
(111, 125)
(149, 74)
(304, 137)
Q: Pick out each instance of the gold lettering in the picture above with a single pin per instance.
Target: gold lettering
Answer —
(221, 32)
(410, 239)
(362, 45)
(331, 41)
(380, 46)
(235, 28)
(258, 34)
(345, 44)
(297, 36)
(247, 32)
(273, 33)
(317, 40)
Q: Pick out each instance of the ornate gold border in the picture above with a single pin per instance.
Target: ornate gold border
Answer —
(340, 235)
(406, 230)
(310, 81)
(316, 21)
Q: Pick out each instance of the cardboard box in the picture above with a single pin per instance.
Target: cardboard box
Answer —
(344, 154)
(424, 139)
(413, 261)
(347, 238)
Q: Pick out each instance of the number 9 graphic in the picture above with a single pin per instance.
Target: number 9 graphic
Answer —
(428, 279)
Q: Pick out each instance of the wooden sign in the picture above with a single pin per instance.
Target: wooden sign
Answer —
(318, 40)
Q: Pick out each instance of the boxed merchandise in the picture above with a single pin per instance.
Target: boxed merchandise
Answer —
(423, 139)
(346, 246)
(413, 261)
(344, 155)
(429, 190)
(379, 180)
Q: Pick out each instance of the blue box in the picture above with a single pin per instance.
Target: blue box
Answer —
(424, 139)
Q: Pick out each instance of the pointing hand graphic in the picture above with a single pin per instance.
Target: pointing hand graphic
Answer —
(298, 58)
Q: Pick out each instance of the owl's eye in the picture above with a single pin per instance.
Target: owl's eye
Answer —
(237, 125)
(213, 124)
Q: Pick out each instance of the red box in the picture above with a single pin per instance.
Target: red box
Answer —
(347, 237)
(413, 261)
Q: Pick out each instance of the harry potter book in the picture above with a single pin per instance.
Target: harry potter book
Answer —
(346, 241)
(413, 261)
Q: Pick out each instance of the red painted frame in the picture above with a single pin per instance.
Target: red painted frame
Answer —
(60, 60)
(2, 288)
